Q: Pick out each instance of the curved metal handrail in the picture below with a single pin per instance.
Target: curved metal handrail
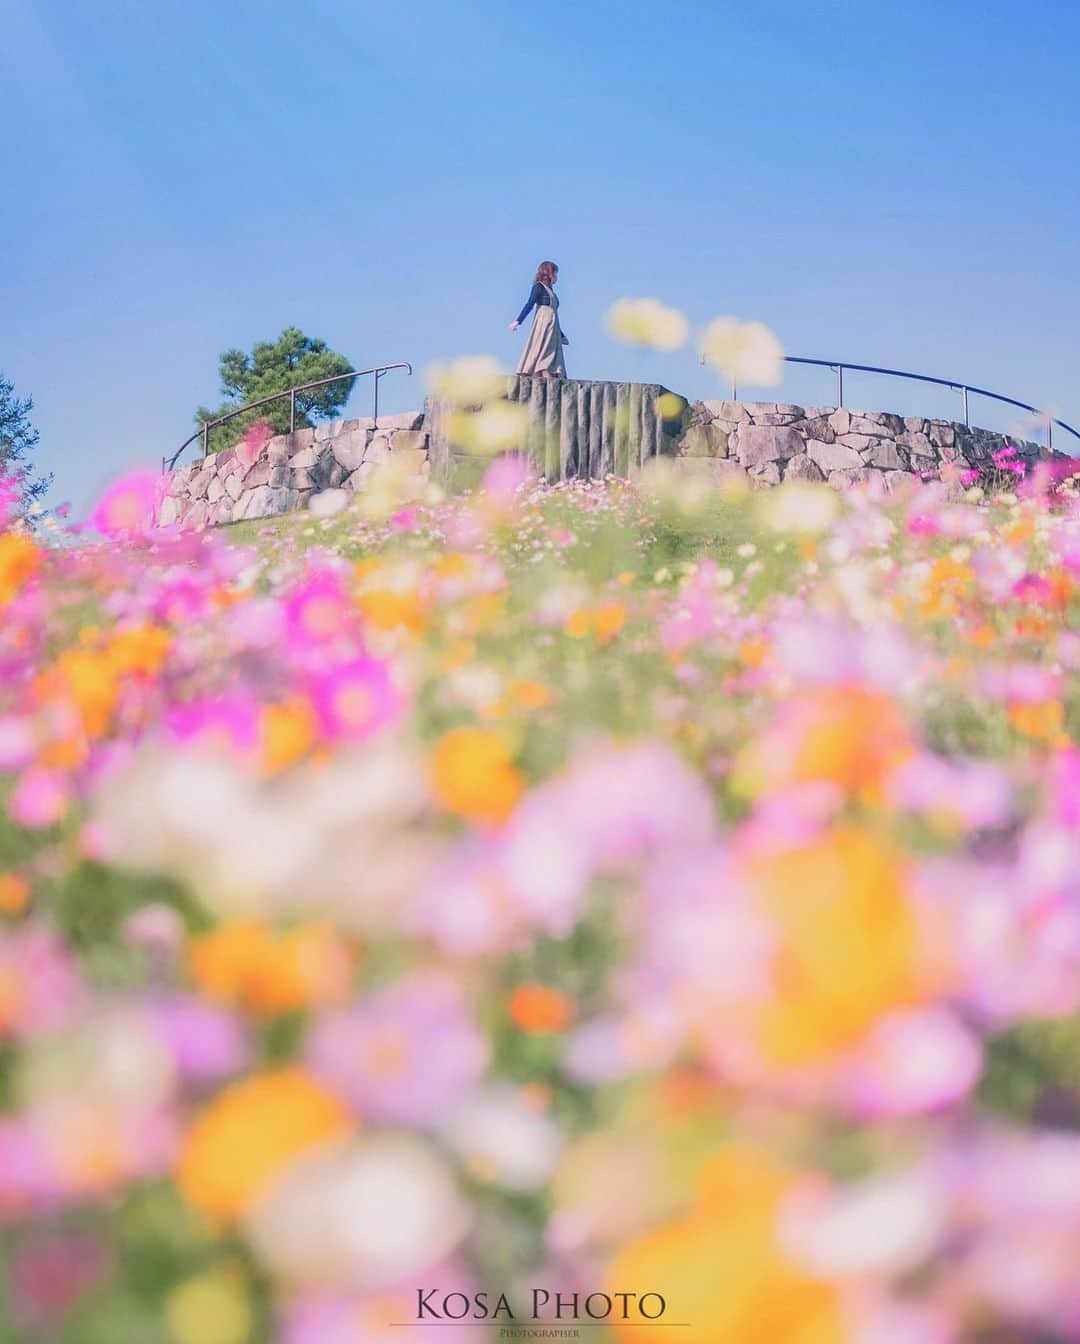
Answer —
(953, 384)
(963, 388)
(203, 432)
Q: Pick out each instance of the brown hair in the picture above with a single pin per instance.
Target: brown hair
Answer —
(545, 273)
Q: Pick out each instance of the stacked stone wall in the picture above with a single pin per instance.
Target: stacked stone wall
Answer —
(771, 441)
(289, 469)
(579, 428)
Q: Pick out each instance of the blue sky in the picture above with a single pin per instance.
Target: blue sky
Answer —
(890, 184)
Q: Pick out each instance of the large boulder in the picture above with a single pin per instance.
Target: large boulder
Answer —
(886, 455)
(707, 440)
(803, 468)
(832, 456)
(348, 449)
(755, 445)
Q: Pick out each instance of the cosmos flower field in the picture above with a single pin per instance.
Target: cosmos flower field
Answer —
(612, 889)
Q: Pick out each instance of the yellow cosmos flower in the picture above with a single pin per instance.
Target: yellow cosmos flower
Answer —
(474, 777)
(142, 649)
(250, 1134)
(389, 610)
(849, 947)
(721, 1269)
(287, 732)
(211, 1308)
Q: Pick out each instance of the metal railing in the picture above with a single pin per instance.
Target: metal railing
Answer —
(965, 390)
(203, 432)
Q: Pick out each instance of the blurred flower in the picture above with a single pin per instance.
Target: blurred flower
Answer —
(20, 559)
(329, 503)
(126, 509)
(365, 1215)
(725, 1265)
(468, 381)
(405, 1054)
(504, 1138)
(472, 775)
(746, 352)
(647, 322)
(210, 1308)
(250, 1134)
(249, 964)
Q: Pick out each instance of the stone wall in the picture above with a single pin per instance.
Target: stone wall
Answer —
(769, 442)
(590, 429)
(289, 469)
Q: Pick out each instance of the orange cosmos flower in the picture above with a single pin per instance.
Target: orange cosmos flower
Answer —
(20, 559)
(14, 893)
(287, 732)
(537, 1008)
(473, 776)
(844, 735)
(250, 1134)
(249, 964)
(1042, 722)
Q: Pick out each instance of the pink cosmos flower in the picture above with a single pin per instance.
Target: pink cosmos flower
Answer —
(405, 520)
(317, 611)
(404, 1054)
(126, 509)
(506, 477)
(255, 439)
(49, 1272)
(355, 700)
(29, 1179)
(205, 1043)
(229, 723)
(914, 1062)
(39, 799)
(42, 989)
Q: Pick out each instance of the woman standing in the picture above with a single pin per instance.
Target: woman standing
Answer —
(543, 353)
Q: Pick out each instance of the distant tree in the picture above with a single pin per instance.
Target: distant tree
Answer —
(17, 438)
(275, 366)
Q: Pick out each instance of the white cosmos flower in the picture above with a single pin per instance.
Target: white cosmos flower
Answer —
(886, 1226)
(502, 1137)
(745, 351)
(365, 1215)
(339, 838)
(647, 322)
(328, 502)
(801, 507)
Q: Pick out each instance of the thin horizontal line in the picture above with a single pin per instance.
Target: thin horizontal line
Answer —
(545, 1325)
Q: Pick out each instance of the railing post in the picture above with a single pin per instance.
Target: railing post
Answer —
(375, 400)
(839, 385)
(964, 399)
(1049, 431)
(734, 389)
(292, 411)
(206, 438)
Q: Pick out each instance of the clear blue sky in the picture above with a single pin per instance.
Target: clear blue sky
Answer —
(888, 183)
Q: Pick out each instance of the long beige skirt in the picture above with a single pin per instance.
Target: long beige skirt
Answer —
(543, 351)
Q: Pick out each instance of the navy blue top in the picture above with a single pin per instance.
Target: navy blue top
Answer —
(538, 298)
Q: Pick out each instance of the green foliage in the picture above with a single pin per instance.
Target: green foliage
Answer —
(276, 366)
(17, 438)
